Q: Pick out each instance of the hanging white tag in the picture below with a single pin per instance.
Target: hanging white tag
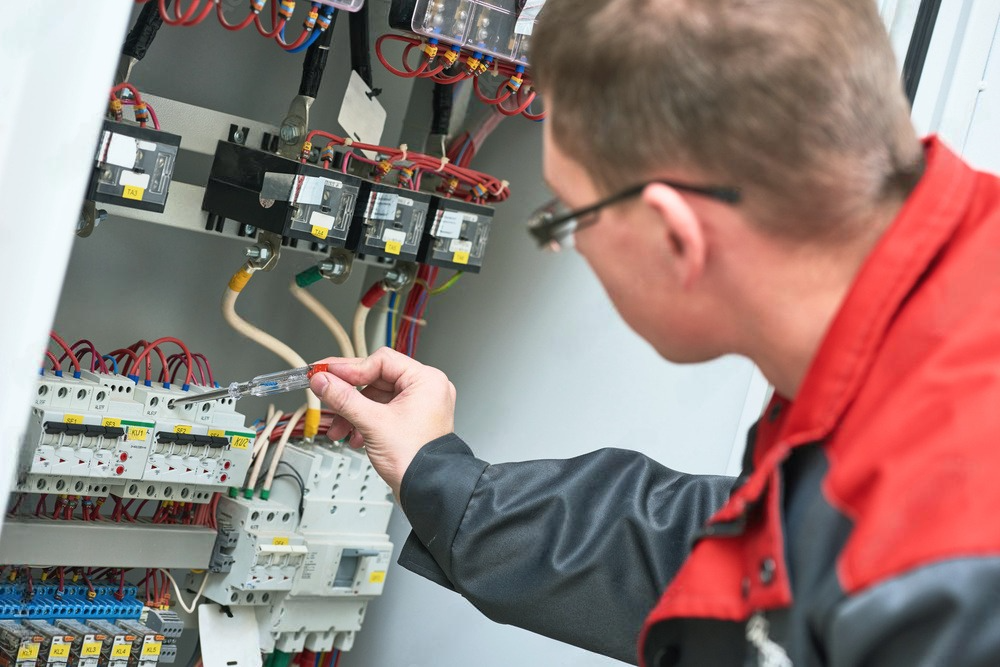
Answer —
(228, 638)
(361, 116)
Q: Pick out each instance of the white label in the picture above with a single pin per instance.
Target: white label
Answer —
(231, 636)
(120, 151)
(394, 235)
(147, 146)
(449, 225)
(308, 190)
(383, 206)
(461, 246)
(361, 116)
(404, 201)
(526, 19)
(317, 219)
(131, 178)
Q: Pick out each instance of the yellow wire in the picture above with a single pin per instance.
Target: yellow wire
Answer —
(448, 285)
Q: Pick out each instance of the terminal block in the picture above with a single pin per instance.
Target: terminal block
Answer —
(225, 546)
(487, 27)
(295, 200)
(170, 625)
(19, 646)
(89, 645)
(456, 236)
(75, 602)
(391, 221)
(133, 166)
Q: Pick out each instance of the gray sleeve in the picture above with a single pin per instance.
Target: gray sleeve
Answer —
(578, 550)
(942, 614)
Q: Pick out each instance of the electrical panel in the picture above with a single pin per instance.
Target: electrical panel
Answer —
(456, 236)
(390, 221)
(487, 27)
(283, 196)
(103, 434)
(133, 166)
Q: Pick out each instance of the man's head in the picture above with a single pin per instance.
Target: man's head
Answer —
(797, 103)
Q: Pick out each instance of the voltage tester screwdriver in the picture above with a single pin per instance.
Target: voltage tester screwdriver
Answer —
(262, 385)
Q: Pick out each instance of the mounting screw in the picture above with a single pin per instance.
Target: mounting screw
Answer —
(262, 253)
(249, 230)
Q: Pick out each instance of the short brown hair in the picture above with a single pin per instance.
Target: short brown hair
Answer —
(798, 102)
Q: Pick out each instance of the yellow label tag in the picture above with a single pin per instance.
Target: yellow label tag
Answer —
(216, 433)
(91, 648)
(59, 651)
(73, 419)
(182, 428)
(151, 648)
(393, 247)
(133, 192)
(111, 421)
(121, 650)
(28, 652)
(460, 257)
(239, 442)
(320, 232)
(137, 433)
(280, 541)
(377, 577)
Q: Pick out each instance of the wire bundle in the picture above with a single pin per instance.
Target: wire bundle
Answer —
(410, 167)
(513, 96)
(316, 22)
(143, 110)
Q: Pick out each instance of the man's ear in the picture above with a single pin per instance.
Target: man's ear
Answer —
(682, 232)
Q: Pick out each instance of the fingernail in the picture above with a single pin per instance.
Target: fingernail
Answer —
(319, 383)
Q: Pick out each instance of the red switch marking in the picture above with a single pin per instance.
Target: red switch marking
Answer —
(120, 470)
(225, 466)
(123, 457)
(223, 477)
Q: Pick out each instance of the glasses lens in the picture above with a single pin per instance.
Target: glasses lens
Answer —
(551, 228)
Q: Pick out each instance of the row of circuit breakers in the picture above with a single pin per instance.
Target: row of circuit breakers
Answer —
(298, 201)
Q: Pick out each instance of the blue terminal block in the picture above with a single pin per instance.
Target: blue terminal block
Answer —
(45, 603)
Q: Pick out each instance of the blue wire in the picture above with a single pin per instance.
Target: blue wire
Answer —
(312, 38)
(388, 320)
(318, 656)
(413, 329)
(468, 142)
(108, 357)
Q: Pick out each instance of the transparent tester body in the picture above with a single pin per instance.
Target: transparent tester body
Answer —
(346, 5)
(483, 26)
(456, 235)
(390, 221)
(133, 166)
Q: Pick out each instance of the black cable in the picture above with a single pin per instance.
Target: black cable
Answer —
(443, 100)
(302, 490)
(315, 61)
(361, 56)
(920, 43)
(140, 37)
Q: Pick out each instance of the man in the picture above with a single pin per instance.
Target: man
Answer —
(752, 184)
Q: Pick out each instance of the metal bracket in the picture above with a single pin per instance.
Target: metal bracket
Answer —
(294, 127)
(337, 269)
(264, 255)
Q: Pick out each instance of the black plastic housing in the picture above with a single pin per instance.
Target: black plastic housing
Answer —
(456, 235)
(283, 196)
(390, 221)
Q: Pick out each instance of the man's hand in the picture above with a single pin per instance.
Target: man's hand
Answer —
(403, 406)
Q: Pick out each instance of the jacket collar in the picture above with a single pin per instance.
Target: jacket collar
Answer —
(928, 219)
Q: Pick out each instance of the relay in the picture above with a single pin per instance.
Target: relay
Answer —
(390, 221)
(457, 235)
(133, 166)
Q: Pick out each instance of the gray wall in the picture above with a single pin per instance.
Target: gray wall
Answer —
(544, 368)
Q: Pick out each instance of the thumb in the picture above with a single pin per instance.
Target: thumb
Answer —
(344, 399)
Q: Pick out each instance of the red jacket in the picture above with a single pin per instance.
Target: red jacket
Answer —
(904, 394)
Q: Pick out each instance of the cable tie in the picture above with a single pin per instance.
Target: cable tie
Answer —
(418, 322)
(403, 147)
(504, 185)
(348, 142)
(444, 163)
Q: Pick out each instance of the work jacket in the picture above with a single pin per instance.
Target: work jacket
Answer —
(862, 531)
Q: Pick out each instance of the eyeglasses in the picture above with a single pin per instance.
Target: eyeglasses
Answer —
(553, 225)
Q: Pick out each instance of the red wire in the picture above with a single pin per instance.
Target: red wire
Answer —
(155, 346)
(412, 43)
(233, 26)
(61, 343)
(276, 25)
(177, 19)
(204, 13)
(56, 366)
(488, 100)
